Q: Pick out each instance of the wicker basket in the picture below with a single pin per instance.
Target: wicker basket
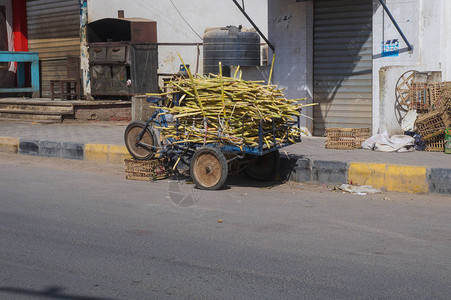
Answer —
(346, 138)
(433, 124)
(446, 96)
(436, 144)
(145, 169)
(435, 91)
(419, 97)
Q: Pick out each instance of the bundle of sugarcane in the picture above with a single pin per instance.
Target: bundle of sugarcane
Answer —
(229, 110)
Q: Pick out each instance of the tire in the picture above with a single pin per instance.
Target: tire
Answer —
(265, 167)
(209, 168)
(131, 141)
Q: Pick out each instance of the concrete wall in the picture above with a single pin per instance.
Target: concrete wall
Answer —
(446, 40)
(173, 29)
(407, 15)
(290, 30)
(141, 110)
(425, 24)
(427, 27)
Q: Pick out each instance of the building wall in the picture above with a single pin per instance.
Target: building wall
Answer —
(290, 30)
(446, 39)
(54, 32)
(7, 75)
(200, 14)
(3, 47)
(427, 28)
(407, 15)
(426, 24)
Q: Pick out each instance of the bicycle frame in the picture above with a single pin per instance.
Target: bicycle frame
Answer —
(158, 117)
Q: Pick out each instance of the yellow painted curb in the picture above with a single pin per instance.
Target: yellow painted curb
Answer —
(96, 152)
(117, 154)
(9, 144)
(367, 174)
(106, 153)
(394, 178)
(406, 179)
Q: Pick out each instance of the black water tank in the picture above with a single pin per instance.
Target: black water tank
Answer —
(232, 46)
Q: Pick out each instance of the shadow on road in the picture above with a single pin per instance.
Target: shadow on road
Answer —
(52, 292)
(287, 164)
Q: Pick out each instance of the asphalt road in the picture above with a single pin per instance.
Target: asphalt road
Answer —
(78, 230)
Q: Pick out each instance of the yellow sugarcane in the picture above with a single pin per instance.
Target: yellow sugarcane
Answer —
(272, 67)
(222, 90)
(246, 103)
(194, 86)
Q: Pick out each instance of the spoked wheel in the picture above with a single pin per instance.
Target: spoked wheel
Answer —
(209, 168)
(140, 149)
(265, 167)
(402, 89)
(402, 95)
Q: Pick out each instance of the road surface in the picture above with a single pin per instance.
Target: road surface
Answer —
(79, 230)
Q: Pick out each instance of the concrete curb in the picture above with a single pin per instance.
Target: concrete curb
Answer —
(387, 177)
(439, 181)
(66, 150)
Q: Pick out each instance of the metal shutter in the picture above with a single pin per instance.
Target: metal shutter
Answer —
(54, 32)
(342, 64)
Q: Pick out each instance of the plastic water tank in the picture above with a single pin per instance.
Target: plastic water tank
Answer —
(232, 46)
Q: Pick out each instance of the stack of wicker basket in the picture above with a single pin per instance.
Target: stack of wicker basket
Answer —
(146, 170)
(433, 103)
(346, 138)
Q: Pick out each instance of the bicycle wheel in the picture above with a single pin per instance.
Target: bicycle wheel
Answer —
(265, 167)
(131, 135)
(209, 168)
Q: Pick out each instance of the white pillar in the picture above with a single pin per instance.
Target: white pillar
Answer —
(84, 54)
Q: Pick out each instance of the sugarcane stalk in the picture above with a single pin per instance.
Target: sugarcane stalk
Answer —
(228, 110)
(222, 90)
(272, 67)
(194, 86)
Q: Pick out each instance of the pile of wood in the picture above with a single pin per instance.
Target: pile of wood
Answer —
(229, 110)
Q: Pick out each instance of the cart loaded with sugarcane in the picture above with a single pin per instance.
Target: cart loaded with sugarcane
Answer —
(214, 126)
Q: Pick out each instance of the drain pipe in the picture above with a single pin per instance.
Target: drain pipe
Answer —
(255, 26)
(409, 47)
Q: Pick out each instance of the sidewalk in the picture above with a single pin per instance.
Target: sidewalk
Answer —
(309, 161)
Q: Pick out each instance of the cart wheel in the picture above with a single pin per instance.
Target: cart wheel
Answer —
(209, 168)
(131, 140)
(265, 167)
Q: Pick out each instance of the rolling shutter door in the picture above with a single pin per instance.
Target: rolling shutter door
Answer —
(54, 32)
(342, 66)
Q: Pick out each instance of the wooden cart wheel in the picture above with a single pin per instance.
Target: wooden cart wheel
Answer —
(209, 168)
(265, 167)
(402, 89)
(131, 136)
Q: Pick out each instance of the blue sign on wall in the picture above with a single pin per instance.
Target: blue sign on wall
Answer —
(390, 48)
